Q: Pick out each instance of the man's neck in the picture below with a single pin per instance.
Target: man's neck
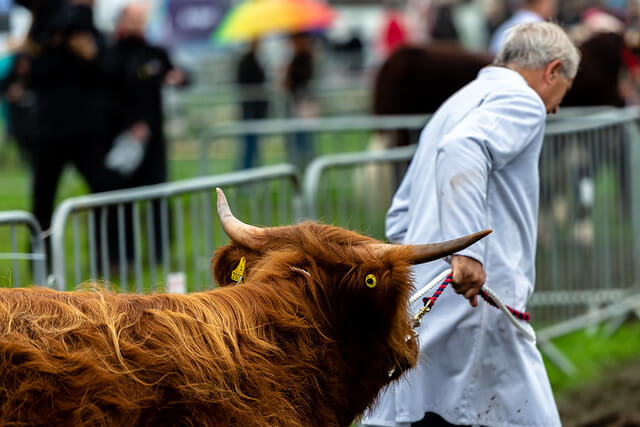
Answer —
(531, 75)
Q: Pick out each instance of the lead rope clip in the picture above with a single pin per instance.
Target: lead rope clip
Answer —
(516, 317)
(417, 319)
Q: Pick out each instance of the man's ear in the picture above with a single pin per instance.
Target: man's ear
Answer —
(553, 71)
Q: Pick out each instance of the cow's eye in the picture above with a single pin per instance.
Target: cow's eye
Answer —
(371, 281)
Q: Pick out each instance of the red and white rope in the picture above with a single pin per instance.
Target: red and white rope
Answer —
(488, 295)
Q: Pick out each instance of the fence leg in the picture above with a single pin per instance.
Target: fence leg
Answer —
(614, 324)
(558, 358)
(204, 152)
(592, 329)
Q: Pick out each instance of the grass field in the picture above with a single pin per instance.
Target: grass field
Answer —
(594, 353)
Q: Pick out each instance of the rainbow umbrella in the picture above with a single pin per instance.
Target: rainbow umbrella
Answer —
(257, 18)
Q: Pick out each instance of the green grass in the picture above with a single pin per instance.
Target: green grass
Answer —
(15, 182)
(593, 354)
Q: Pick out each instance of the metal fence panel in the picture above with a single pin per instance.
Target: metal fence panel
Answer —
(22, 250)
(221, 146)
(354, 190)
(223, 102)
(588, 208)
(164, 235)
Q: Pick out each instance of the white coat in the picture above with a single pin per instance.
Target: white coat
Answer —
(476, 167)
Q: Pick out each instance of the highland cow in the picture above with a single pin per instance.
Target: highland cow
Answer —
(309, 323)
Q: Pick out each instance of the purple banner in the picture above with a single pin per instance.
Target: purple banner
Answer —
(194, 19)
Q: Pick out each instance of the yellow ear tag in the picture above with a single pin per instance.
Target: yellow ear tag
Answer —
(236, 275)
(371, 281)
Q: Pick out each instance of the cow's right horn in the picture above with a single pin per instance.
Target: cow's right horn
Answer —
(237, 230)
(429, 252)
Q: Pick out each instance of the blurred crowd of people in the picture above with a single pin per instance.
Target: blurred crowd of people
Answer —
(465, 34)
(75, 96)
(296, 84)
(479, 24)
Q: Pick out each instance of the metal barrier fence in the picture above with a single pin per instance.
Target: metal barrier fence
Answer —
(220, 146)
(100, 236)
(23, 229)
(223, 102)
(589, 208)
(589, 215)
(354, 190)
(190, 111)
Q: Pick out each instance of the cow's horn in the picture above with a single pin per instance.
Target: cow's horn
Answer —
(237, 230)
(429, 252)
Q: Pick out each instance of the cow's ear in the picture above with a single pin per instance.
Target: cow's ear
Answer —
(230, 264)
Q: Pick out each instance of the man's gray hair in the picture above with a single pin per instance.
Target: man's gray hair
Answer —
(536, 44)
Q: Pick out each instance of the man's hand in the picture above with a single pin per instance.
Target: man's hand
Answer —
(15, 92)
(140, 131)
(84, 45)
(175, 77)
(468, 277)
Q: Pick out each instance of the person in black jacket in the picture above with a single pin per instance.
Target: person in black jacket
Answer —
(68, 78)
(138, 73)
(251, 79)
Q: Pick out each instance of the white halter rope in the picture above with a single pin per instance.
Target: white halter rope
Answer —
(518, 324)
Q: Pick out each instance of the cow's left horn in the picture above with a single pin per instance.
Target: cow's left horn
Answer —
(237, 230)
(430, 252)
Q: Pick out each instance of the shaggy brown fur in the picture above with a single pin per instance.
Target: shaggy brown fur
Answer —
(305, 346)
(361, 332)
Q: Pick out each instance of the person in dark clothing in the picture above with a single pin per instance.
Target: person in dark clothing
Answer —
(138, 71)
(351, 53)
(251, 78)
(297, 83)
(68, 79)
(444, 28)
(300, 69)
(19, 103)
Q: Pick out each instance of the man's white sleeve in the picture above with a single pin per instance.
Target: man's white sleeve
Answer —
(484, 142)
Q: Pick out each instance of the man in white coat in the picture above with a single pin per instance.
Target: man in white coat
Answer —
(476, 167)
